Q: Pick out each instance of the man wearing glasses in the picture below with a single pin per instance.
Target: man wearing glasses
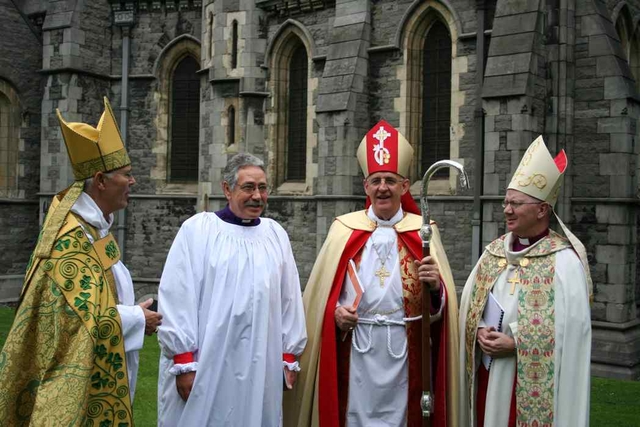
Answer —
(525, 328)
(363, 304)
(233, 317)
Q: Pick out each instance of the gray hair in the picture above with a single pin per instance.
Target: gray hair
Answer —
(237, 162)
(89, 181)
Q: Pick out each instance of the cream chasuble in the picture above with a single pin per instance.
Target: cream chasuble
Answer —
(562, 310)
(378, 370)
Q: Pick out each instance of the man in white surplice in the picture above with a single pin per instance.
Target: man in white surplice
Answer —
(233, 315)
(525, 323)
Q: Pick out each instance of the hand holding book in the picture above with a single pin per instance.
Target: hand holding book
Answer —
(495, 344)
(492, 317)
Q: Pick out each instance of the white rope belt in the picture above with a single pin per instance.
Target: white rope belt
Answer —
(382, 320)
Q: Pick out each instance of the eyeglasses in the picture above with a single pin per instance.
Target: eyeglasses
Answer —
(516, 205)
(377, 181)
(251, 188)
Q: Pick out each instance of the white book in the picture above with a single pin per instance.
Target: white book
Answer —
(492, 317)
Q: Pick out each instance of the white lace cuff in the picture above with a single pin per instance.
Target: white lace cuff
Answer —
(295, 366)
(183, 368)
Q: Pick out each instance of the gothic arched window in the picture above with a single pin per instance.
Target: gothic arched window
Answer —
(185, 121)
(8, 147)
(297, 116)
(210, 35)
(436, 97)
(231, 125)
(234, 44)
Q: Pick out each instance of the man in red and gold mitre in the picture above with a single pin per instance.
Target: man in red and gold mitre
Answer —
(363, 305)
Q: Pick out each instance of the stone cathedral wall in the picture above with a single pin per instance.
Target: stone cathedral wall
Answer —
(568, 71)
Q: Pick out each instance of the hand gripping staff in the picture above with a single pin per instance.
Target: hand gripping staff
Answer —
(425, 234)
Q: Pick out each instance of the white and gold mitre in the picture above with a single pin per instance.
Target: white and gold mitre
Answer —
(384, 149)
(92, 150)
(539, 175)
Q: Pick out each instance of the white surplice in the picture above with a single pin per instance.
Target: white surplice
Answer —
(572, 349)
(131, 314)
(230, 295)
(378, 370)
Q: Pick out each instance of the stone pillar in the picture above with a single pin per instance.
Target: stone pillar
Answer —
(604, 188)
(342, 110)
(76, 60)
(513, 101)
(240, 85)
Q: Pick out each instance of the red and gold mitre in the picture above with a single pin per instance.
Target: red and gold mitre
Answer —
(384, 149)
(93, 150)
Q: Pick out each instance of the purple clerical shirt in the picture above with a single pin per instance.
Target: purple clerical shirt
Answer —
(227, 216)
(521, 243)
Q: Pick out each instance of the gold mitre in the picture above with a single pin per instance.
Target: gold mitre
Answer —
(539, 175)
(92, 150)
(384, 149)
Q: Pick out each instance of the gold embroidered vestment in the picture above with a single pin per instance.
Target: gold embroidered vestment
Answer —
(64, 360)
(536, 325)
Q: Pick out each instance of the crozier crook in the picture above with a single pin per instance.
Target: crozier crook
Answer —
(427, 403)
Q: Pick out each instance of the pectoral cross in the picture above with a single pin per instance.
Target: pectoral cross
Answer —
(382, 274)
(514, 281)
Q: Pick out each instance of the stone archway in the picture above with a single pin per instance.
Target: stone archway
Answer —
(414, 33)
(288, 40)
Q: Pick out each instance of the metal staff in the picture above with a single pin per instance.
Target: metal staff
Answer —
(425, 234)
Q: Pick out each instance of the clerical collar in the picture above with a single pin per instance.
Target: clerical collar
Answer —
(385, 223)
(227, 216)
(520, 243)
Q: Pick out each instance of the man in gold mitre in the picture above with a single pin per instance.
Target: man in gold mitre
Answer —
(363, 359)
(525, 320)
(71, 357)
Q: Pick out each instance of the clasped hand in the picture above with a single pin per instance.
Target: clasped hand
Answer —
(496, 344)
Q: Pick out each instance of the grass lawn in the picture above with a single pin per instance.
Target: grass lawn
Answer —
(145, 404)
(613, 403)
